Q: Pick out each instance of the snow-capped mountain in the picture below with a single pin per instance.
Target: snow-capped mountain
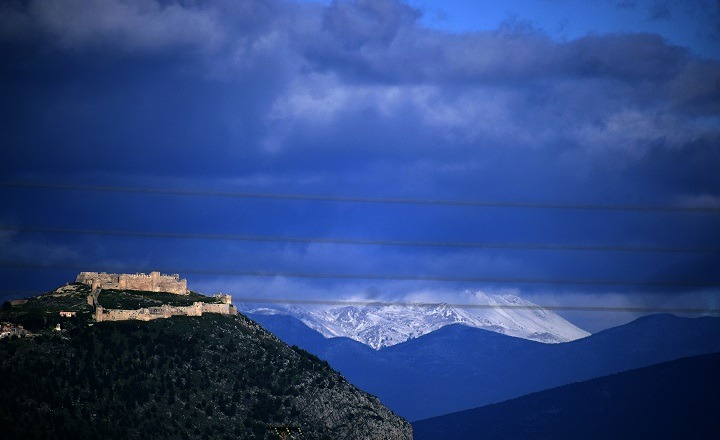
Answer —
(381, 325)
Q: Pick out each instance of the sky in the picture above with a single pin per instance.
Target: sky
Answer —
(532, 110)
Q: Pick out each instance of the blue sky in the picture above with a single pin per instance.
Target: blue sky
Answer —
(541, 102)
(693, 24)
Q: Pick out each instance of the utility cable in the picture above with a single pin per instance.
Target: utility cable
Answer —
(356, 241)
(385, 277)
(377, 303)
(374, 200)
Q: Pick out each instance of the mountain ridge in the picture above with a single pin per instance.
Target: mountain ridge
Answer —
(675, 399)
(385, 324)
(459, 367)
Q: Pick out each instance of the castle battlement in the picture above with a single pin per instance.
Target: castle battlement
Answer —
(152, 282)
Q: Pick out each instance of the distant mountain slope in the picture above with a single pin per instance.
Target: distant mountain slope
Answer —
(459, 367)
(212, 376)
(384, 325)
(672, 400)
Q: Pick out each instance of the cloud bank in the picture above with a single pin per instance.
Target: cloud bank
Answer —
(358, 98)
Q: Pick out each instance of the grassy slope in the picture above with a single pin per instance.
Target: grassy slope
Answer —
(127, 299)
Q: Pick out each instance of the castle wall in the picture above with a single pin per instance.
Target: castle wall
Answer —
(100, 280)
(139, 281)
(225, 309)
(164, 311)
(223, 298)
(153, 282)
(172, 284)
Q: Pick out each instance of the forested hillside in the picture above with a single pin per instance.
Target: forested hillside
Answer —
(213, 377)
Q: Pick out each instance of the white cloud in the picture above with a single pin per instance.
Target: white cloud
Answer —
(631, 132)
(704, 200)
(133, 25)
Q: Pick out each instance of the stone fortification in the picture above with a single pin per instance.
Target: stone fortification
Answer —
(153, 282)
(164, 311)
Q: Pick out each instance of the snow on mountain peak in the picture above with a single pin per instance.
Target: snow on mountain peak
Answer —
(382, 324)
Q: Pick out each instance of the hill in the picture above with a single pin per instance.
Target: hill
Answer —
(211, 376)
(677, 399)
(459, 367)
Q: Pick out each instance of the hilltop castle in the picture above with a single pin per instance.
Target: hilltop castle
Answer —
(154, 282)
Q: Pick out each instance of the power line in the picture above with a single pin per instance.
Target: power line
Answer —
(356, 241)
(376, 303)
(388, 277)
(377, 200)
(366, 303)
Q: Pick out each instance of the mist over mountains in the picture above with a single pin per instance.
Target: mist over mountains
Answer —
(386, 324)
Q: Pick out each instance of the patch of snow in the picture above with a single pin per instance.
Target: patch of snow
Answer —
(384, 325)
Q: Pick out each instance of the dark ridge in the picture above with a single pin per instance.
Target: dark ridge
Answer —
(677, 399)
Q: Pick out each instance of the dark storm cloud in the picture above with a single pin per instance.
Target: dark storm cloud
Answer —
(696, 88)
(691, 169)
(270, 85)
(354, 98)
